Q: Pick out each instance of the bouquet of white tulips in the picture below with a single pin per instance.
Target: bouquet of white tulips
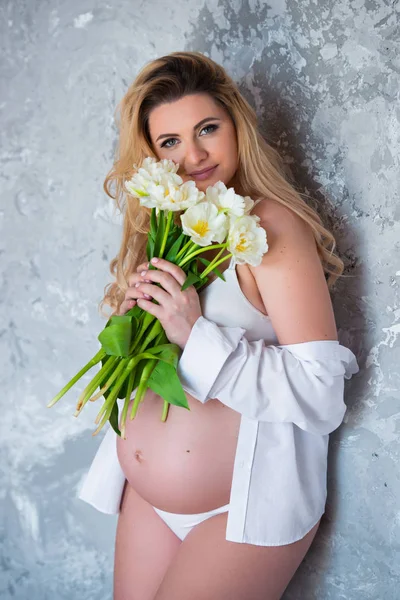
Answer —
(135, 352)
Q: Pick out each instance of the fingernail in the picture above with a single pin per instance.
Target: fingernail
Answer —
(137, 284)
(146, 296)
(143, 273)
(154, 260)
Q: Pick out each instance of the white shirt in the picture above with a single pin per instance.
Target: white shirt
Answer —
(290, 398)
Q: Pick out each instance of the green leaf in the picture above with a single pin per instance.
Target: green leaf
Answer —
(138, 373)
(153, 224)
(116, 319)
(150, 248)
(107, 377)
(214, 270)
(160, 233)
(173, 251)
(190, 280)
(167, 352)
(165, 382)
(114, 418)
(134, 312)
(123, 389)
(116, 338)
(174, 230)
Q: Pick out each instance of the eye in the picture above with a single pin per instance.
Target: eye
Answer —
(164, 144)
(213, 128)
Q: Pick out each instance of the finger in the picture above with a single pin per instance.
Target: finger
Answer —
(150, 307)
(134, 292)
(169, 267)
(166, 280)
(144, 265)
(132, 279)
(125, 306)
(158, 293)
(135, 277)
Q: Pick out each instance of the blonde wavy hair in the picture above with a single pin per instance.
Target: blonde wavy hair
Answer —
(261, 171)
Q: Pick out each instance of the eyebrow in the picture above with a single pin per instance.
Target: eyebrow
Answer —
(164, 135)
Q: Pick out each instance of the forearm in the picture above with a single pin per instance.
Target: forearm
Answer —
(299, 383)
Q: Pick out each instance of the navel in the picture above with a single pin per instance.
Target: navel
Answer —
(138, 456)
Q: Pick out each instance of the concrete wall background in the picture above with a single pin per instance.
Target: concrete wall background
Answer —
(324, 79)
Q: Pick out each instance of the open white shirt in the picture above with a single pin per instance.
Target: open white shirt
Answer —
(290, 398)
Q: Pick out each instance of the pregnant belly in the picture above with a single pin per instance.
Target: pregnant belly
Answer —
(185, 464)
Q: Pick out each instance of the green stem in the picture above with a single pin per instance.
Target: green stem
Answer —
(105, 418)
(199, 251)
(96, 358)
(126, 403)
(214, 264)
(154, 331)
(143, 385)
(146, 320)
(91, 387)
(148, 369)
(107, 368)
(114, 376)
(167, 228)
(165, 411)
(126, 365)
(112, 398)
(187, 245)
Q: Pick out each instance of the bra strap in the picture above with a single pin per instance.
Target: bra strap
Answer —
(232, 263)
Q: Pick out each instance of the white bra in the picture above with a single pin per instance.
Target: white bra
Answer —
(224, 303)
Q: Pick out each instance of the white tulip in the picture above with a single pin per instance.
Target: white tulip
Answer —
(138, 188)
(226, 200)
(156, 169)
(248, 204)
(247, 240)
(181, 197)
(204, 225)
(169, 166)
(153, 181)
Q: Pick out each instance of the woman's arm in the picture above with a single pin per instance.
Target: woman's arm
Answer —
(299, 383)
(301, 380)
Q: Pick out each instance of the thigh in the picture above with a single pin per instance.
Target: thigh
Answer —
(144, 549)
(208, 567)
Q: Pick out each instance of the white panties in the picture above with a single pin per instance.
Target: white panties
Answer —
(182, 524)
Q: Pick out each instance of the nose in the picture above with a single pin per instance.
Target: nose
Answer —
(195, 155)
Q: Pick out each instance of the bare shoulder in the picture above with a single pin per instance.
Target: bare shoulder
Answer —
(291, 279)
(279, 220)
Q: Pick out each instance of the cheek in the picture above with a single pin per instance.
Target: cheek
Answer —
(230, 153)
(228, 142)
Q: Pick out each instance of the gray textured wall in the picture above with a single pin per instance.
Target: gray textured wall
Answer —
(324, 79)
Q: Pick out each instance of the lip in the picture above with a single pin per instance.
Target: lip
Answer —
(203, 174)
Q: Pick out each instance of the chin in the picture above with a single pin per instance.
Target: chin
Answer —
(203, 185)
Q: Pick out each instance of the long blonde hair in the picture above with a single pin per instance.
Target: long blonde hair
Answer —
(261, 171)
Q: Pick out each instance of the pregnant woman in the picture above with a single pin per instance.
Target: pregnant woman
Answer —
(222, 501)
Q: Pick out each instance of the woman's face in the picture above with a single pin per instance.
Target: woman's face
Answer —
(197, 133)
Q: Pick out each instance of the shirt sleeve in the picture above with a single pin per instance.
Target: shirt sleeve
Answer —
(300, 383)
